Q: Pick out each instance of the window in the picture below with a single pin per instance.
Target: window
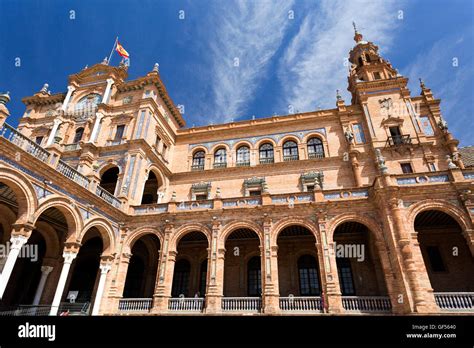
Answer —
(119, 132)
(358, 133)
(140, 124)
(266, 153)
(157, 143)
(377, 76)
(165, 151)
(203, 279)
(254, 278)
(198, 160)
(308, 276)
(345, 276)
(220, 158)
(39, 140)
(396, 135)
(432, 167)
(406, 168)
(290, 151)
(361, 62)
(201, 197)
(315, 148)
(436, 261)
(78, 135)
(367, 58)
(310, 188)
(255, 193)
(181, 278)
(243, 156)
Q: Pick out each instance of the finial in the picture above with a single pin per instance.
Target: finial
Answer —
(422, 84)
(105, 61)
(156, 67)
(338, 96)
(87, 66)
(45, 88)
(4, 98)
(357, 35)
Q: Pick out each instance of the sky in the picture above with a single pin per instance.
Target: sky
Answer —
(232, 60)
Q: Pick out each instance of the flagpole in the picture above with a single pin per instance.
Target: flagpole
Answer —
(113, 48)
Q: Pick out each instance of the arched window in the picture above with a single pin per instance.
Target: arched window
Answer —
(243, 156)
(266, 153)
(198, 160)
(181, 278)
(361, 62)
(308, 274)
(254, 278)
(220, 158)
(315, 148)
(78, 135)
(203, 279)
(108, 180)
(290, 151)
(90, 101)
(150, 189)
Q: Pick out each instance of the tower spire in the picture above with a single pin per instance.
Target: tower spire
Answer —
(357, 36)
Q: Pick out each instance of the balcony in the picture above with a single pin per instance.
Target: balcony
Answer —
(71, 173)
(135, 305)
(366, 303)
(398, 140)
(313, 155)
(108, 197)
(72, 147)
(183, 304)
(289, 158)
(115, 142)
(197, 167)
(243, 164)
(220, 164)
(241, 304)
(267, 160)
(301, 304)
(455, 301)
(18, 139)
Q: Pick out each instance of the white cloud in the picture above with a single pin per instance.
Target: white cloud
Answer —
(248, 33)
(312, 67)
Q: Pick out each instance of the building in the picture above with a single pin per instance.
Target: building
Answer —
(363, 208)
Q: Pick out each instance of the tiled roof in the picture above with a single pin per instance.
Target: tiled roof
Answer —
(467, 155)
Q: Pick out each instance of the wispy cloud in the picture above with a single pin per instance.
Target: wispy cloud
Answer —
(246, 35)
(447, 69)
(312, 67)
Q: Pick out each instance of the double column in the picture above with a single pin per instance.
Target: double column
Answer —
(269, 259)
(215, 277)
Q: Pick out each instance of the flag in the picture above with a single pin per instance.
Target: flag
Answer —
(119, 48)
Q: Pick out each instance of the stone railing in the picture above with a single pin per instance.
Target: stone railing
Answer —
(195, 205)
(150, 209)
(313, 155)
(15, 137)
(72, 147)
(107, 196)
(455, 301)
(301, 303)
(346, 194)
(241, 202)
(413, 179)
(367, 303)
(252, 304)
(193, 304)
(293, 198)
(71, 173)
(135, 304)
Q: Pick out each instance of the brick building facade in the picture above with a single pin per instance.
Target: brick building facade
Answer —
(363, 208)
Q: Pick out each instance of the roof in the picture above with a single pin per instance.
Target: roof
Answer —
(467, 155)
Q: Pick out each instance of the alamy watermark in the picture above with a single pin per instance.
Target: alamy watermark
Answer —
(28, 251)
(355, 251)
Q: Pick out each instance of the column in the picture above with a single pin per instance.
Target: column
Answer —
(107, 91)
(271, 296)
(17, 242)
(70, 89)
(56, 124)
(68, 256)
(104, 269)
(45, 271)
(215, 277)
(95, 129)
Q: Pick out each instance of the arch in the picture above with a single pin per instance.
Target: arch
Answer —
(68, 208)
(314, 135)
(107, 165)
(199, 148)
(287, 222)
(138, 233)
(265, 140)
(242, 154)
(109, 179)
(198, 159)
(106, 233)
(24, 192)
(374, 228)
(289, 137)
(232, 226)
(437, 204)
(241, 143)
(218, 146)
(185, 229)
(49, 234)
(315, 147)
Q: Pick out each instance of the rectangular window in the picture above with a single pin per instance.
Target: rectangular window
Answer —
(345, 276)
(255, 193)
(165, 149)
(310, 188)
(436, 261)
(39, 140)
(140, 124)
(119, 132)
(377, 76)
(406, 168)
(432, 167)
(157, 143)
(426, 125)
(358, 133)
(201, 197)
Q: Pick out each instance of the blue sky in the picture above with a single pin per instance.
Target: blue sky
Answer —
(231, 60)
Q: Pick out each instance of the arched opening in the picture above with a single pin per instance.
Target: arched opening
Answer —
(199, 158)
(266, 153)
(290, 151)
(298, 270)
(220, 158)
(358, 265)
(315, 148)
(187, 276)
(448, 260)
(243, 156)
(41, 251)
(84, 273)
(108, 180)
(142, 268)
(150, 189)
(242, 264)
(78, 135)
